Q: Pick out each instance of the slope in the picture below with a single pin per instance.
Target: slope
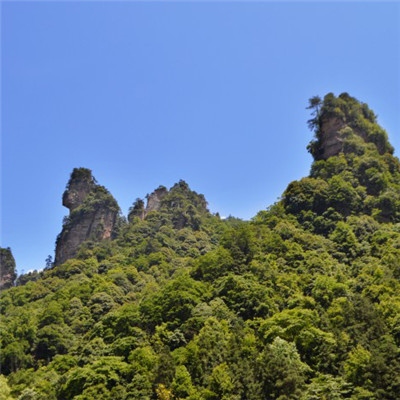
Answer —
(302, 302)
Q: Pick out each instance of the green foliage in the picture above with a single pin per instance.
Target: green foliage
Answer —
(174, 303)
(314, 104)
(137, 210)
(302, 302)
(327, 387)
(214, 264)
(81, 174)
(282, 372)
(182, 384)
(352, 113)
(5, 390)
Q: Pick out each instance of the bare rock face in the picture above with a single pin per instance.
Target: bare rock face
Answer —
(93, 214)
(333, 133)
(331, 137)
(7, 268)
(154, 199)
(79, 186)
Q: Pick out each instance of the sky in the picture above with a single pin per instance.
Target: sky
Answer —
(147, 93)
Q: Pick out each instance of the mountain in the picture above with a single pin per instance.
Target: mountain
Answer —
(173, 302)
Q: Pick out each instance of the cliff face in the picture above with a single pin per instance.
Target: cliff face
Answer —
(331, 137)
(93, 214)
(79, 186)
(154, 199)
(7, 268)
(341, 121)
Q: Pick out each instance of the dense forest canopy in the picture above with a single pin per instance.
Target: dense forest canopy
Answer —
(302, 302)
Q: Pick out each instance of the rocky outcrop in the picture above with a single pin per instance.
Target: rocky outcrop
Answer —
(8, 273)
(179, 206)
(154, 199)
(138, 210)
(344, 125)
(93, 214)
(331, 137)
(80, 185)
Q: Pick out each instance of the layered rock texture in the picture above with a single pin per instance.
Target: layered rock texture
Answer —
(7, 268)
(93, 214)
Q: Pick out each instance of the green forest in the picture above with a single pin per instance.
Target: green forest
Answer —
(301, 302)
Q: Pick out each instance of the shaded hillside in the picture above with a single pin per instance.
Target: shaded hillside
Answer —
(302, 302)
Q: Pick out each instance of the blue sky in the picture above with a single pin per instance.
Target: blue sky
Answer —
(149, 93)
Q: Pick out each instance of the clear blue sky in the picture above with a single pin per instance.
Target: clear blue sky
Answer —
(149, 93)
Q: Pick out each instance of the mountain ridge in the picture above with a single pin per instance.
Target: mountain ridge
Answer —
(302, 302)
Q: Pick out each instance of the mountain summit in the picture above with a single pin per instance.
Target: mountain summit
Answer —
(344, 125)
(354, 171)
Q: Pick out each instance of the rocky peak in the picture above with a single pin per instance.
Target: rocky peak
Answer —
(7, 268)
(186, 207)
(338, 120)
(181, 193)
(182, 206)
(154, 199)
(79, 186)
(93, 214)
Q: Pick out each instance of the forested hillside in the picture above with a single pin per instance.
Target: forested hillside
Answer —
(302, 302)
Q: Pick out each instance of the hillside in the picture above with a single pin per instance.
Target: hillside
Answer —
(173, 302)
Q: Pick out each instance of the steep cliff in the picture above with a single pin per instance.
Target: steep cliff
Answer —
(7, 268)
(93, 214)
(154, 199)
(341, 121)
(354, 172)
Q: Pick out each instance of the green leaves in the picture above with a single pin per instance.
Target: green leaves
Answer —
(282, 372)
(174, 303)
(300, 303)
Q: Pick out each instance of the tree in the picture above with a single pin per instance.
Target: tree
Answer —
(357, 365)
(221, 382)
(4, 389)
(314, 104)
(182, 384)
(282, 372)
(49, 262)
(327, 387)
(13, 357)
(163, 393)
